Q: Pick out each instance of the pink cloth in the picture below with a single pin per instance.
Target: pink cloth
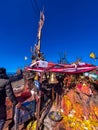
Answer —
(79, 86)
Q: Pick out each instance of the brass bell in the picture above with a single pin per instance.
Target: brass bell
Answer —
(36, 76)
(43, 77)
(53, 79)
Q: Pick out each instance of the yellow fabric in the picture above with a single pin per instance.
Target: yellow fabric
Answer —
(32, 125)
(92, 55)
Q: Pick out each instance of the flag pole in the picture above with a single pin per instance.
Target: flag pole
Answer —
(40, 25)
(37, 52)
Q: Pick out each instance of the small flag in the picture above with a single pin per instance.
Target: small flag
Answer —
(25, 58)
(92, 55)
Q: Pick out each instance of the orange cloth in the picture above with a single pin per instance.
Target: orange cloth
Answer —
(86, 89)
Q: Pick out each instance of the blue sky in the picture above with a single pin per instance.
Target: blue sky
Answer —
(71, 27)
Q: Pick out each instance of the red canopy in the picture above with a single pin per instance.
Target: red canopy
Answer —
(60, 68)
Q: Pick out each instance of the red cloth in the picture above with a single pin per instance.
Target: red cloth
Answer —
(79, 86)
(25, 94)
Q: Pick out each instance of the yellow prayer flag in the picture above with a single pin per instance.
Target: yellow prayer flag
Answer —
(92, 55)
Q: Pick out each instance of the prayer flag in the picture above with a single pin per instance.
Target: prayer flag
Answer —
(25, 58)
(92, 55)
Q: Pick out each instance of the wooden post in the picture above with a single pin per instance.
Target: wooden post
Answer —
(53, 93)
(38, 110)
(57, 99)
(38, 105)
